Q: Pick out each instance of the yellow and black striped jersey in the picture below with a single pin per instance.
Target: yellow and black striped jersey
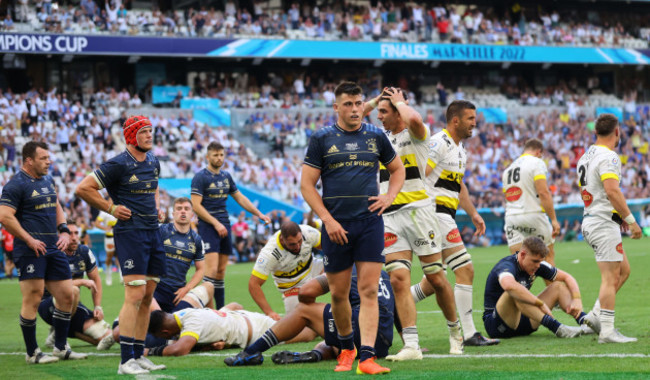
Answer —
(448, 161)
(413, 152)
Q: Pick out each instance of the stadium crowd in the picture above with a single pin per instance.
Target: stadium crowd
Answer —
(387, 21)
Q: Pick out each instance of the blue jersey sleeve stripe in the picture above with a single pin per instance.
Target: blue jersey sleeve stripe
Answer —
(312, 165)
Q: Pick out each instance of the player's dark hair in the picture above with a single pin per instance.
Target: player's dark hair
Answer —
(385, 96)
(215, 146)
(182, 200)
(289, 229)
(456, 108)
(535, 246)
(29, 149)
(349, 88)
(156, 321)
(534, 144)
(606, 124)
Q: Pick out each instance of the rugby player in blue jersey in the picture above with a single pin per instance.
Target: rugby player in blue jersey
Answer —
(85, 324)
(131, 179)
(346, 157)
(318, 316)
(210, 189)
(182, 246)
(30, 210)
(510, 309)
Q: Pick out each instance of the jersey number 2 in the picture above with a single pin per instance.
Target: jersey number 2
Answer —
(583, 175)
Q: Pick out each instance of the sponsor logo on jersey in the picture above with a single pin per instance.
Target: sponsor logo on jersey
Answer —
(333, 149)
(35, 194)
(351, 146)
(389, 239)
(454, 236)
(420, 242)
(133, 179)
(45, 190)
(513, 194)
(212, 186)
(619, 248)
(587, 198)
(167, 242)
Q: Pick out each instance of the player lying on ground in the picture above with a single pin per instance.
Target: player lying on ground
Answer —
(318, 316)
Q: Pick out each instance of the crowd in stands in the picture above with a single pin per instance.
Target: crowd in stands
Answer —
(83, 132)
(386, 21)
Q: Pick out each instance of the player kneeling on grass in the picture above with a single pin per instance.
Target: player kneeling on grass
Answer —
(510, 309)
(318, 317)
(85, 324)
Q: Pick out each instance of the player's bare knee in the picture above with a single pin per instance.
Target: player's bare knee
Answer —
(338, 297)
(438, 281)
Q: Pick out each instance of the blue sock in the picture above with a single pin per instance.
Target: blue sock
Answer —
(366, 352)
(126, 348)
(347, 341)
(219, 293)
(29, 334)
(267, 341)
(138, 348)
(61, 324)
(581, 318)
(550, 323)
(152, 341)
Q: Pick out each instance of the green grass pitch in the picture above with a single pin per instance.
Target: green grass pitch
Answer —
(539, 356)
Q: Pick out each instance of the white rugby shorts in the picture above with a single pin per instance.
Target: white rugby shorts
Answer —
(604, 237)
(518, 227)
(414, 229)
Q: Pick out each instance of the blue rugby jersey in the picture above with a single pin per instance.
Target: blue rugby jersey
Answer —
(214, 188)
(132, 184)
(81, 262)
(34, 200)
(510, 264)
(180, 250)
(349, 165)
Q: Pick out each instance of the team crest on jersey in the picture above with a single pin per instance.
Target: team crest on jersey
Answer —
(454, 236)
(128, 264)
(432, 235)
(191, 247)
(513, 194)
(333, 149)
(619, 248)
(351, 146)
(389, 239)
(372, 145)
(226, 183)
(587, 198)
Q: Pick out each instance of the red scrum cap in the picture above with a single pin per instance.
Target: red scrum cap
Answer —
(132, 126)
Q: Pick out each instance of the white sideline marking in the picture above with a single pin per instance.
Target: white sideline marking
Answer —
(428, 356)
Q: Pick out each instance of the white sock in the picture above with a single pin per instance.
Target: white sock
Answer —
(463, 295)
(596, 308)
(606, 322)
(454, 329)
(417, 293)
(410, 336)
(109, 273)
